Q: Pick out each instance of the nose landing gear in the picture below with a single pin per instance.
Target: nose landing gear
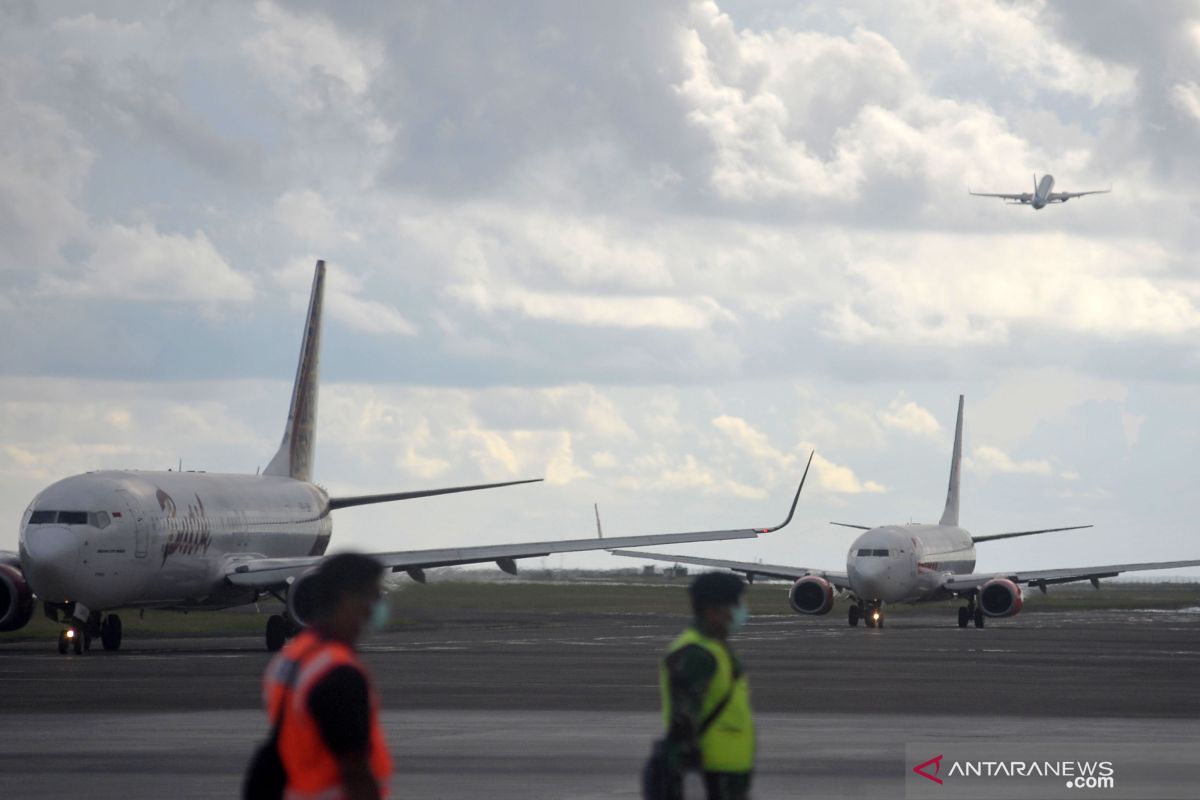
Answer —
(78, 637)
(70, 639)
(874, 615)
(280, 628)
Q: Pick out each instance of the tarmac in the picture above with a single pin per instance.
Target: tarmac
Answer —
(565, 705)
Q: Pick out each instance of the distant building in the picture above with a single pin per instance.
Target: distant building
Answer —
(649, 570)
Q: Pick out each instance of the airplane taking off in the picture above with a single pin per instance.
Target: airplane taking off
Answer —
(918, 563)
(186, 541)
(1043, 194)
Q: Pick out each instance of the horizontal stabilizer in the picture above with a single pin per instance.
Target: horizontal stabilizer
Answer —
(368, 499)
(994, 536)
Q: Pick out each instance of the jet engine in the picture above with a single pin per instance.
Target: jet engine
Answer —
(812, 594)
(302, 598)
(16, 599)
(1000, 597)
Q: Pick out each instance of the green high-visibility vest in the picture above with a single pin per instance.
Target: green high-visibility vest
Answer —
(728, 744)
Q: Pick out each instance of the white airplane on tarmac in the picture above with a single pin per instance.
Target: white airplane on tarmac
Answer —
(94, 543)
(918, 563)
(1043, 194)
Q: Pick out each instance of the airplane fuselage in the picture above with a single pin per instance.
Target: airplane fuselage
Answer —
(1041, 193)
(122, 539)
(907, 563)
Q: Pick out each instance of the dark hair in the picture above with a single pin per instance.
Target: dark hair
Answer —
(340, 575)
(714, 590)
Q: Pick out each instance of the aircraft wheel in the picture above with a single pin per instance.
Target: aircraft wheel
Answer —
(77, 642)
(964, 615)
(63, 643)
(854, 615)
(879, 622)
(110, 632)
(276, 633)
(979, 618)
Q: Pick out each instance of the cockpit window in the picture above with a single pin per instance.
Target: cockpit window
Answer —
(867, 552)
(98, 519)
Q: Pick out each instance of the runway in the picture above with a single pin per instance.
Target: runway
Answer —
(532, 705)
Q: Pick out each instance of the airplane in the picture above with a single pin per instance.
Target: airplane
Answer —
(917, 564)
(1043, 194)
(121, 539)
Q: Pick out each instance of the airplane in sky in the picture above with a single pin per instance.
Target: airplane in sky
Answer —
(1042, 196)
(918, 563)
(94, 543)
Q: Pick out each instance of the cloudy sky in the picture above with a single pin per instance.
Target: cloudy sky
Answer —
(653, 252)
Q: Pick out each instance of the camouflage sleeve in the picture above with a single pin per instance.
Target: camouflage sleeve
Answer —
(689, 672)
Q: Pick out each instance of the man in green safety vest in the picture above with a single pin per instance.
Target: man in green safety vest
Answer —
(705, 696)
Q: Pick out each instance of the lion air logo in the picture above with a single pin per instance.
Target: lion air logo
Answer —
(936, 763)
(189, 534)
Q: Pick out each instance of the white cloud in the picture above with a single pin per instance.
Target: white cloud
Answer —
(594, 310)
(1186, 98)
(986, 459)
(907, 416)
(141, 264)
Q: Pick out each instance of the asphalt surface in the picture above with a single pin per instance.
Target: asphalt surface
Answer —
(565, 704)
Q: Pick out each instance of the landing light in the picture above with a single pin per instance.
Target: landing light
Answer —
(70, 634)
(875, 615)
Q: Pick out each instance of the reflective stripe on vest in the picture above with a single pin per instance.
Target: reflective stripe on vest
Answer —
(313, 772)
(728, 744)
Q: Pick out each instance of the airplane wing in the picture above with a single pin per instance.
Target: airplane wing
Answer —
(367, 499)
(1045, 577)
(993, 536)
(268, 573)
(838, 579)
(1062, 197)
(1020, 197)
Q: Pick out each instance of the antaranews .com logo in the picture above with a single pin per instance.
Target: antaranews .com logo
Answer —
(1077, 774)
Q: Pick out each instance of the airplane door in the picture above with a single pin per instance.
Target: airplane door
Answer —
(141, 529)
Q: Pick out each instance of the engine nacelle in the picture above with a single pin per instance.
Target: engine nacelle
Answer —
(16, 599)
(302, 598)
(1000, 597)
(812, 594)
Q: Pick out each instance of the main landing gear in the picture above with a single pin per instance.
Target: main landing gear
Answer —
(279, 629)
(970, 613)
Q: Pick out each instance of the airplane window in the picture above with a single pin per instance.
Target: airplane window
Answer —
(42, 517)
(73, 518)
(99, 519)
(868, 551)
(864, 552)
(881, 553)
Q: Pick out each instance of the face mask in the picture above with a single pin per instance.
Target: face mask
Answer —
(380, 610)
(738, 617)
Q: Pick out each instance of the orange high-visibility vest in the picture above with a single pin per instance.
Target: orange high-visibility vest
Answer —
(312, 771)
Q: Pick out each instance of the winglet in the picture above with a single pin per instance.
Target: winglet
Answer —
(795, 500)
(950, 515)
(599, 530)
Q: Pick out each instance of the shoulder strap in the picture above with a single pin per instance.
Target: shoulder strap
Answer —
(716, 712)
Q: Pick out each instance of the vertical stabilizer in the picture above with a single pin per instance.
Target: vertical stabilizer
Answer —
(950, 515)
(295, 456)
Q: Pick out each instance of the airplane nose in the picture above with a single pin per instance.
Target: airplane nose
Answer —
(53, 556)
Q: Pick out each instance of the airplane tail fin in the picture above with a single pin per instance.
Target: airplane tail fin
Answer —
(950, 515)
(294, 458)
(1035, 183)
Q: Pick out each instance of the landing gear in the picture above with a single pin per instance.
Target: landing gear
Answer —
(276, 633)
(979, 618)
(110, 632)
(855, 613)
(874, 616)
(964, 615)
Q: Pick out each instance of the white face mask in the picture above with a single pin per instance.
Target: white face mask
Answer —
(738, 618)
(380, 611)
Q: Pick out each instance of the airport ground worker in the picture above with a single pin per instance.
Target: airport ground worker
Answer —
(330, 740)
(705, 696)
